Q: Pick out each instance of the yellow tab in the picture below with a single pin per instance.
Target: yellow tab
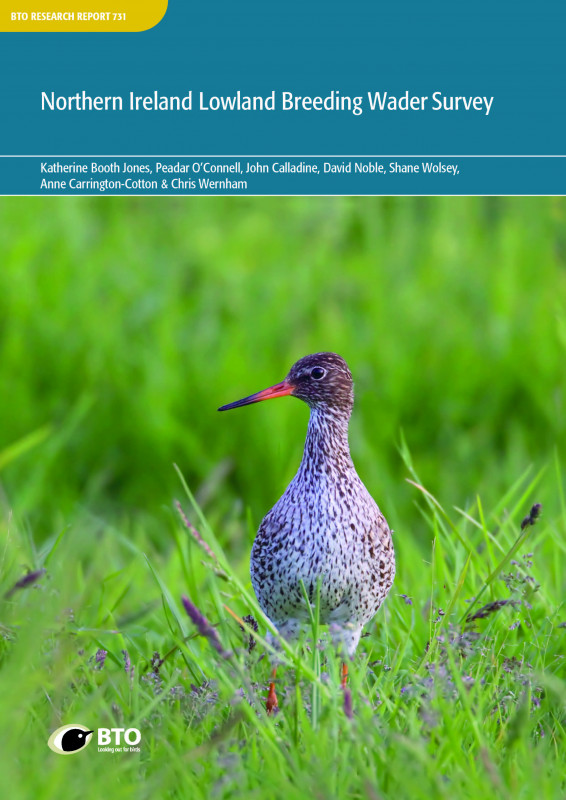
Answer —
(80, 15)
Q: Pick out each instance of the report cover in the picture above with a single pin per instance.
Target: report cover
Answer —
(354, 590)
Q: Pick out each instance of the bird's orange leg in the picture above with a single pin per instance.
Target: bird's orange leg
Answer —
(344, 680)
(272, 705)
(348, 711)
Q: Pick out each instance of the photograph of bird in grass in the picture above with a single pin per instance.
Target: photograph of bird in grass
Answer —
(227, 586)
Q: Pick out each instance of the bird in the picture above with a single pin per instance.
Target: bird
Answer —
(326, 528)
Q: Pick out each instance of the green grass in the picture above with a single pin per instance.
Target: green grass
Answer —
(123, 325)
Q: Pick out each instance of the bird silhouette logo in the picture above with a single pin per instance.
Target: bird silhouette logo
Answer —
(70, 739)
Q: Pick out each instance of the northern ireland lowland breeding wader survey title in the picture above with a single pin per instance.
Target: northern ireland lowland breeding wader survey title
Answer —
(275, 101)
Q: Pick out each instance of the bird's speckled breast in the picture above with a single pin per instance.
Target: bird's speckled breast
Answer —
(325, 526)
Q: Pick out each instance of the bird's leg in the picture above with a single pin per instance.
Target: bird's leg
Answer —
(344, 680)
(348, 710)
(272, 705)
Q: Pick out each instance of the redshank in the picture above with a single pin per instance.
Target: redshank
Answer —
(326, 527)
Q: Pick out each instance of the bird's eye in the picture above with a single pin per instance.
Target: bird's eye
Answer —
(317, 373)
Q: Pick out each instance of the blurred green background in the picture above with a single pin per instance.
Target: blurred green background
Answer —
(125, 323)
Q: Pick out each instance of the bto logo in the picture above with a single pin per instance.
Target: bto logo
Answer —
(69, 739)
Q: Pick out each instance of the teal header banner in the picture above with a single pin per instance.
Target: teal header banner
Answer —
(323, 81)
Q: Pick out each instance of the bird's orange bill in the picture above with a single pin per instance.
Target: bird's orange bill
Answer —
(279, 390)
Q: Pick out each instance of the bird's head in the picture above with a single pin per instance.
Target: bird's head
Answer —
(322, 380)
